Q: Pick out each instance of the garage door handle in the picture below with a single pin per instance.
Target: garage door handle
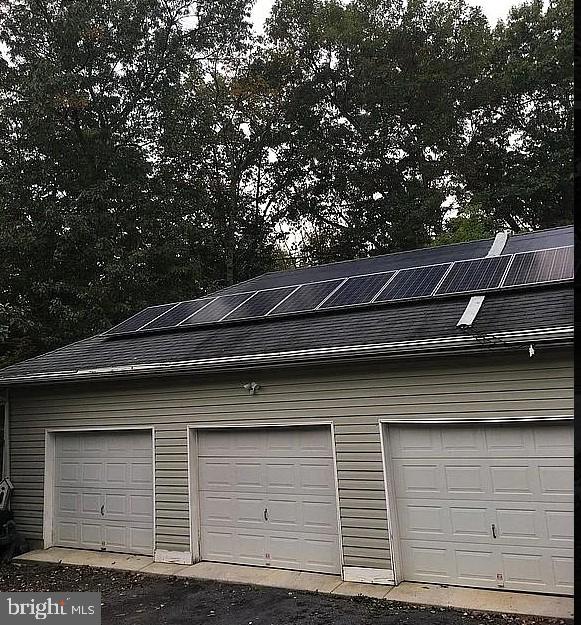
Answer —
(266, 514)
(103, 510)
(493, 530)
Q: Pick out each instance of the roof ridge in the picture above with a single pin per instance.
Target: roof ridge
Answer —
(354, 260)
(410, 251)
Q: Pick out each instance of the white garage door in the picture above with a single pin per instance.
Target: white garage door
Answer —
(267, 498)
(103, 493)
(486, 506)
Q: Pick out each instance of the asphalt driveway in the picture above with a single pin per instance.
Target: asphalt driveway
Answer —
(140, 599)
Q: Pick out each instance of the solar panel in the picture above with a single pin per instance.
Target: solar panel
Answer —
(540, 266)
(358, 290)
(260, 303)
(139, 319)
(177, 314)
(474, 275)
(307, 297)
(214, 311)
(416, 282)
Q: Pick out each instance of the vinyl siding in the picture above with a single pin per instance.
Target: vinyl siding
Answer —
(353, 397)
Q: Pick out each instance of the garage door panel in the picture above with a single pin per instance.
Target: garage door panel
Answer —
(67, 532)
(232, 509)
(426, 562)
(303, 552)
(560, 525)
(475, 564)
(285, 442)
(90, 503)
(264, 443)
(556, 441)
(432, 520)
(317, 476)
(467, 479)
(120, 537)
(446, 504)
(563, 571)
(69, 472)
(547, 479)
(277, 508)
(226, 443)
(105, 502)
(320, 516)
(127, 506)
(281, 476)
(135, 445)
(231, 474)
(90, 533)
(92, 473)
(68, 502)
(234, 546)
(470, 522)
(521, 524)
(322, 553)
(468, 440)
(555, 480)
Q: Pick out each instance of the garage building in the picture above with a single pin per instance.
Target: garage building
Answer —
(402, 417)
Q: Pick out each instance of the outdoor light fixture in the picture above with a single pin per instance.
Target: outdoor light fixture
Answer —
(252, 387)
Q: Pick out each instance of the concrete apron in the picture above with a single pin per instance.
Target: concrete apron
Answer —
(406, 592)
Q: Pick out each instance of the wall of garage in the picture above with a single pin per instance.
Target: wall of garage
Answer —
(354, 397)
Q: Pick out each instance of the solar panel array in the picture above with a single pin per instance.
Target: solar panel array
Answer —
(466, 276)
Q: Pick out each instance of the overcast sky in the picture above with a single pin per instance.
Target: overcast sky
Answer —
(493, 9)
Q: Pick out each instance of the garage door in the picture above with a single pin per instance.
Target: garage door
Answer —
(104, 491)
(486, 506)
(267, 498)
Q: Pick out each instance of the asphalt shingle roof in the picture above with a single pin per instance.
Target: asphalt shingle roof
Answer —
(396, 323)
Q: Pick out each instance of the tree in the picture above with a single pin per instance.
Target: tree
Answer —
(87, 234)
(518, 159)
(157, 150)
(378, 96)
(217, 155)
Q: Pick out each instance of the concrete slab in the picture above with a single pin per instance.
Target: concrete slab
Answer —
(54, 554)
(231, 573)
(79, 557)
(315, 582)
(276, 578)
(163, 568)
(406, 592)
(125, 563)
(483, 600)
(353, 589)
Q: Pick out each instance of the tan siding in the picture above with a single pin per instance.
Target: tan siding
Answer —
(353, 397)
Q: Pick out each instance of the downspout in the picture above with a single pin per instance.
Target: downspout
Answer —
(6, 450)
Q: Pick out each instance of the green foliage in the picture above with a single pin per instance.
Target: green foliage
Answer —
(472, 224)
(157, 150)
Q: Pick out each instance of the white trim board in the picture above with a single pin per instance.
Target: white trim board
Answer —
(367, 576)
(172, 557)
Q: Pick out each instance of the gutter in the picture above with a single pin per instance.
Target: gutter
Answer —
(423, 347)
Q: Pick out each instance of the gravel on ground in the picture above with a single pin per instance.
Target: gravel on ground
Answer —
(143, 599)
